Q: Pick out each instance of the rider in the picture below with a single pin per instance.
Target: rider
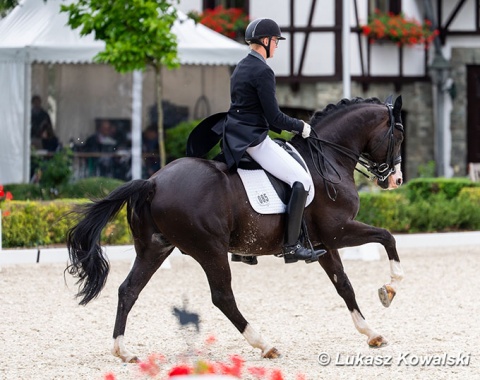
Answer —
(253, 111)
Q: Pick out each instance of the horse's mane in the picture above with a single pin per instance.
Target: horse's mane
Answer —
(333, 108)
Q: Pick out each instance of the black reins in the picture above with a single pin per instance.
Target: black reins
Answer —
(381, 171)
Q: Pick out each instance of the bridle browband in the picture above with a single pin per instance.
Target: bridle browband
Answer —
(380, 171)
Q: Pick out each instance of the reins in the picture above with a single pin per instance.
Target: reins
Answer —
(381, 171)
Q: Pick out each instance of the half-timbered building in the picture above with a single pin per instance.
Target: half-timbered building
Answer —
(440, 84)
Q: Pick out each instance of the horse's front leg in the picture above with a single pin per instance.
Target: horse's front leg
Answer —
(219, 277)
(333, 266)
(357, 233)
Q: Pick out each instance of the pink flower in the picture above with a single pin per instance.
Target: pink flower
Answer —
(109, 376)
(150, 367)
(210, 340)
(258, 372)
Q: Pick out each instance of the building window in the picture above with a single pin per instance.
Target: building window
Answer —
(386, 6)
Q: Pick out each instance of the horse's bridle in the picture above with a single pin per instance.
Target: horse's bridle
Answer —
(384, 170)
(381, 171)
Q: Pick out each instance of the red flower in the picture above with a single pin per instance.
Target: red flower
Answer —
(227, 21)
(6, 213)
(2, 193)
(180, 370)
(277, 375)
(399, 29)
(109, 376)
(9, 196)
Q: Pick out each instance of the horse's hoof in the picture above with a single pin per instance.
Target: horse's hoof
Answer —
(386, 294)
(377, 342)
(126, 359)
(134, 359)
(272, 353)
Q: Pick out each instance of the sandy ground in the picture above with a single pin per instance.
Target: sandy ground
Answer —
(44, 334)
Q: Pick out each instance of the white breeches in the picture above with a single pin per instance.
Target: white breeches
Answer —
(275, 160)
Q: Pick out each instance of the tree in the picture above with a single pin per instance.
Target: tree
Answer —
(137, 34)
(7, 5)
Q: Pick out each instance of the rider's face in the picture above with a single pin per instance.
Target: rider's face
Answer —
(273, 45)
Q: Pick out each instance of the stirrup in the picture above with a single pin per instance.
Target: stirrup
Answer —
(250, 260)
(293, 253)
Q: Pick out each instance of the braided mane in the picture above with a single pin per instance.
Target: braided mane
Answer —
(332, 108)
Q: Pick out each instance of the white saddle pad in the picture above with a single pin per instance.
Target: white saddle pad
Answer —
(261, 194)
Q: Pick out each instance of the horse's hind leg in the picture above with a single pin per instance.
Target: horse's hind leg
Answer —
(149, 259)
(219, 278)
(333, 266)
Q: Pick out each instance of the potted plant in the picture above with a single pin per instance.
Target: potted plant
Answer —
(399, 29)
(230, 22)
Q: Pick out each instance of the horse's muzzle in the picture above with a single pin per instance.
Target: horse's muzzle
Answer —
(393, 181)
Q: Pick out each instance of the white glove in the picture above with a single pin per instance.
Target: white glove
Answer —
(306, 130)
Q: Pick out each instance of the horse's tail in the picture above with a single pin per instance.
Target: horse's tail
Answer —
(87, 261)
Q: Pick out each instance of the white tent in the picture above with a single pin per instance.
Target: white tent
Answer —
(36, 31)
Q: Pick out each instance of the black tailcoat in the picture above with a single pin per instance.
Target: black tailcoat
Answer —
(253, 109)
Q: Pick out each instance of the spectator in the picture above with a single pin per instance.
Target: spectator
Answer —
(150, 150)
(49, 140)
(101, 142)
(39, 120)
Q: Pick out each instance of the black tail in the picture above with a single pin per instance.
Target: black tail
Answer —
(87, 261)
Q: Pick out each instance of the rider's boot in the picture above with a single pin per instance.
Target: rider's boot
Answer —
(293, 250)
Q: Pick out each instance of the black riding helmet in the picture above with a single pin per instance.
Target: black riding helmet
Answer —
(261, 28)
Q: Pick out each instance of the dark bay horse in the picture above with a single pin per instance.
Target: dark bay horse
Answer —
(201, 208)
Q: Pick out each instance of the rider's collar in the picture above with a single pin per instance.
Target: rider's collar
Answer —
(258, 55)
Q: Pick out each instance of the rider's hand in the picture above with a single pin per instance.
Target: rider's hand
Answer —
(306, 130)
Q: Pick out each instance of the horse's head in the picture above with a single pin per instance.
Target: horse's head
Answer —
(383, 155)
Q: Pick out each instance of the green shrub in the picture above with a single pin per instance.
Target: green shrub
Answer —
(425, 188)
(471, 194)
(90, 188)
(29, 224)
(176, 139)
(24, 191)
(384, 209)
(439, 214)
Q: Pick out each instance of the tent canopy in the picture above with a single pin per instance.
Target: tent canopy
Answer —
(36, 31)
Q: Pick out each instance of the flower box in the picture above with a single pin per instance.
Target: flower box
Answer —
(398, 29)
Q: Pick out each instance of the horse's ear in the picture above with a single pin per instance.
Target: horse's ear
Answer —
(389, 100)
(397, 106)
(398, 103)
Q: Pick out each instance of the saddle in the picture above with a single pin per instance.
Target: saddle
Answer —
(266, 193)
(282, 189)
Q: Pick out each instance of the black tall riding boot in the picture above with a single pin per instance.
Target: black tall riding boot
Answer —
(293, 250)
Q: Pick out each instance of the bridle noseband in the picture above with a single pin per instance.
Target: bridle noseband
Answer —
(380, 171)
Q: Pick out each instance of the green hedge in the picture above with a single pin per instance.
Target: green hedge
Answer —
(424, 205)
(426, 188)
(447, 206)
(90, 188)
(41, 223)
